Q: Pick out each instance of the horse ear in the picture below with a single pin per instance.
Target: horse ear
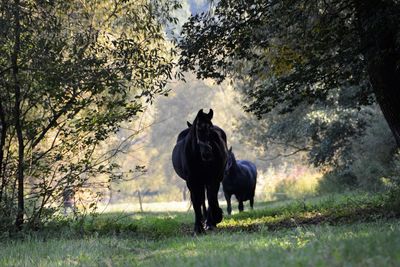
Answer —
(230, 149)
(200, 112)
(210, 114)
(188, 124)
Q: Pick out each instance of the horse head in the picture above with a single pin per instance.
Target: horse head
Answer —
(230, 162)
(202, 130)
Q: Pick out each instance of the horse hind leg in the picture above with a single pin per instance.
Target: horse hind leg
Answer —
(228, 203)
(214, 216)
(240, 206)
(252, 202)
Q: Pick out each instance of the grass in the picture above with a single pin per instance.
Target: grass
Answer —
(340, 230)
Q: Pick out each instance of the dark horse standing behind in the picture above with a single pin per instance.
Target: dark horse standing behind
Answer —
(240, 180)
(199, 157)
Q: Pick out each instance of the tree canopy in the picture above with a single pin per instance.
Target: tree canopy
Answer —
(287, 53)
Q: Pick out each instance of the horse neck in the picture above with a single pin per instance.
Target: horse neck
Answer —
(234, 165)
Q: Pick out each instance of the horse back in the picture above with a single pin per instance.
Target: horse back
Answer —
(183, 134)
(248, 167)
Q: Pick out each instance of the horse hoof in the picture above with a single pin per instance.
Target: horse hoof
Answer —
(198, 230)
(209, 227)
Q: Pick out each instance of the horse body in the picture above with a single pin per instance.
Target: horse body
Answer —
(240, 180)
(199, 157)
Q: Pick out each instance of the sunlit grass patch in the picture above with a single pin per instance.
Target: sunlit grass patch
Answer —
(331, 209)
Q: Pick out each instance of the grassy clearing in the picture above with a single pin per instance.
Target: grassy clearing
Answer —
(351, 230)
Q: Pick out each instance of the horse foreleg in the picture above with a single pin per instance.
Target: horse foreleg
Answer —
(228, 203)
(197, 197)
(203, 207)
(204, 210)
(214, 214)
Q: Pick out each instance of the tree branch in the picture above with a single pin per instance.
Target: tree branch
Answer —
(285, 155)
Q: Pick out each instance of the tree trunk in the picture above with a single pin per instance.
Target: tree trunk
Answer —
(17, 117)
(378, 21)
(386, 84)
(140, 200)
(3, 132)
(184, 192)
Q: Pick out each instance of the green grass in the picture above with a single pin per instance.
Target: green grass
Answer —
(341, 230)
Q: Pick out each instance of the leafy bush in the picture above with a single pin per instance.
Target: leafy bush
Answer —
(367, 159)
(393, 182)
(337, 181)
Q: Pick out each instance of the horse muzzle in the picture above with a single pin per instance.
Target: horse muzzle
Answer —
(206, 151)
(207, 156)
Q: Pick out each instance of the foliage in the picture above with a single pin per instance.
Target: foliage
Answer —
(292, 52)
(307, 69)
(287, 51)
(71, 72)
(353, 148)
(297, 188)
(393, 184)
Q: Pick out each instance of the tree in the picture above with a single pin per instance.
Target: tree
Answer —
(292, 52)
(71, 72)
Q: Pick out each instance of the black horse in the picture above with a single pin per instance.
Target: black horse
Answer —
(240, 179)
(199, 157)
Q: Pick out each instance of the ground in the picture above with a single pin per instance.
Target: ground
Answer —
(339, 230)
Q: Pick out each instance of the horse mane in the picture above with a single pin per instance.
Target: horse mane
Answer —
(183, 134)
(232, 159)
(233, 156)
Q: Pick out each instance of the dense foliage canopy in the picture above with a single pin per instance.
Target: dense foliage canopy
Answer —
(290, 52)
